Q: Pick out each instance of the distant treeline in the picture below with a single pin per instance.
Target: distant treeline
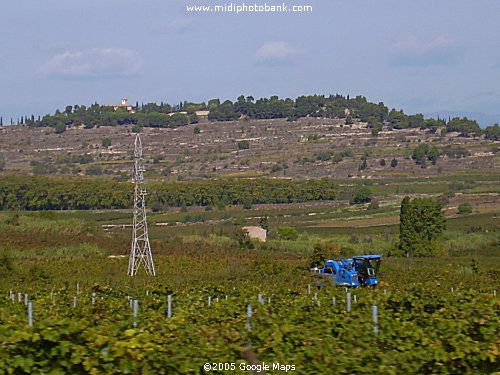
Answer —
(47, 193)
(320, 106)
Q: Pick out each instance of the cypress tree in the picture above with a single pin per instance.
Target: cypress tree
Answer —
(421, 224)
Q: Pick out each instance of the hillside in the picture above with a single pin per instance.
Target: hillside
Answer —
(305, 148)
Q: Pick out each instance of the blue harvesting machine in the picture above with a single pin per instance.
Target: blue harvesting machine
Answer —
(357, 271)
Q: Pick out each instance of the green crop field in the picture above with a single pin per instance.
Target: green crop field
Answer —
(435, 315)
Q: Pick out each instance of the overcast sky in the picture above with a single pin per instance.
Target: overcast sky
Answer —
(420, 56)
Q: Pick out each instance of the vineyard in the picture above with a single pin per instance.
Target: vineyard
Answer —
(246, 307)
(92, 330)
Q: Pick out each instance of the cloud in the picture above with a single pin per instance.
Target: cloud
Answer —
(438, 51)
(175, 25)
(92, 63)
(276, 53)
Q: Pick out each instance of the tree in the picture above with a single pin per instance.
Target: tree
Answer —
(492, 132)
(394, 163)
(60, 128)
(196, 130)
(433, 155)
(422, 223)
(243, 145)
(464, 126)
(362, 194)
(382, 162)
(264, 222)
(106, 142)
(420, 154)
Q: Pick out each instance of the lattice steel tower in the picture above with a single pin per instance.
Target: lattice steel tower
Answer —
(140, 251)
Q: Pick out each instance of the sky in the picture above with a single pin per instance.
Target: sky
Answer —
(422, 56)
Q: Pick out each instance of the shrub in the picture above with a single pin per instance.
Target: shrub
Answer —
(106, 142)
(243, 145)
(60, 128)
(323, 251)
(465, 208)
(362, 194)
(288, 233)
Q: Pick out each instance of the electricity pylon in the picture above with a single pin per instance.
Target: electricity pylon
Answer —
(140, 251)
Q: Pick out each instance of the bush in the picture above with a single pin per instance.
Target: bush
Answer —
(288, 233)
(244, 240)
(465, 208)
(94, 171)
(323, 251)
(106, 142)
(362, 194)
(243, 145)
(60, 128)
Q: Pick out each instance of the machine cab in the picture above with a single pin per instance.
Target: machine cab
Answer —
(367, 267)
(342, 272)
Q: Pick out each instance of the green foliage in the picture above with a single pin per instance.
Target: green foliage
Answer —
(94, 170)
(38, 193)
(223, 112)
(465, 208)
(319, 106)
(60, 128)
(394, 163)
(264, 222)
(362, 194)
(243, 145)
(421, 331)
(40, 168)
(196, 130)
(423, 152)
(492, 132)
(323, 251)
(288, 233)
(244, 240)
(422, 223)
(106, 142)
(424, 328)
(464, 126)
